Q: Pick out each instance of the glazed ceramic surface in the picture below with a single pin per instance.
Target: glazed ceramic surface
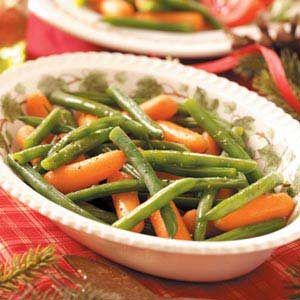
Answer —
(272, 135)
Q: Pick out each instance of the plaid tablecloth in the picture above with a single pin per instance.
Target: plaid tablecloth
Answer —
(21, 228)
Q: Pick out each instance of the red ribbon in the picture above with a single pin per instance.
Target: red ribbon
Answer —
(274, 65)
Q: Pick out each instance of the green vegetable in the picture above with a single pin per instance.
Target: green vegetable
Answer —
(95, 96)
(27, 155)
(159, 200)
(250, 231)
(67, 118)
(197, 172)
(151, 5)
(130, 185)
(44, 129)
(36, 121)
(185, 121)
(244, 196)
(147, 24)
(129, 125)
(37, 182)
(219, 133)
(119, 137)
(204, 206)
(74, 149)
(192, 5)
(193, 160)
(135, 112)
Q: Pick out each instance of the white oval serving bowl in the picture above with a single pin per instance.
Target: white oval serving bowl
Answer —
(275, 141)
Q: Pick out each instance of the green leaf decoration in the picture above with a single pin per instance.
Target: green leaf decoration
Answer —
(296, 183)
(229, 107)
(20, 89)
(49, 84)
(10, 107)
(270, 158)
(250, 65)
(121, 77)
(95, 81)
(26, 267)
(147, 88)
(245, 122)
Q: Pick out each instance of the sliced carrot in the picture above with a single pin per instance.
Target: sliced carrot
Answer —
(212, 146)
(262, 208)
(80, 175)
(22, 134)
(162, 107)
(116, 8)
(125, 202)
(37, 105)
(86, 119)
(225, 193)
(189, 219)
(190, 18)
(168, 176)
(175, 133)
(160, 228)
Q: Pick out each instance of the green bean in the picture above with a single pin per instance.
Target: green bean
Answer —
(197, 172)
(244, 196)
(156, 202)
(185, 121)
(67, 118)
(204, 206)
(78, 133)
(73, 150)
(107, 216)
(130, 185)
(82, 104)
(193, 160)
(37, 182)
(148, 24)
(36, 121)
(119, 137)
(151, 5)
(221, 136)
(95, 96)
(135, 111)
(42, 131)
(192, 5)
(250, 231)
(24, 156)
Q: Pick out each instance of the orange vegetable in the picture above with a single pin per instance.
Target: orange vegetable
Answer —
(212, 146)
(116, 8)
(189, 219)
(22, 134)
(37, 105)
(125, 202)
(175, 133)
(80, 175)
(162, 107)
(160, 228)
(225, 193)
(190, 18)
(168, 176)
(262, 208)
(86, 119)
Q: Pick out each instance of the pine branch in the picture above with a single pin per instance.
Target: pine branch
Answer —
(24, 268)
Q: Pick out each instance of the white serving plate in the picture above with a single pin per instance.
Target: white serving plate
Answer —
(275, 141)
(87, 25)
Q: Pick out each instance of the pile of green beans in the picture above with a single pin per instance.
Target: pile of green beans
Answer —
(123, 125)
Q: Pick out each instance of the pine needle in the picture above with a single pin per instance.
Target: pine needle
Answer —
(24, 268)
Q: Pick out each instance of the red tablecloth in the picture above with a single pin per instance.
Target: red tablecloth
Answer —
(21, 228)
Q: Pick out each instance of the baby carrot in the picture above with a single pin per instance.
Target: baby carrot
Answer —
(212, 146)
(125, 202)
(175, 133)
(162, 107)
(160, 228)
(37, 105)
(85, 173)
(263, 208)
(192, 19)
(23, 132)
(86, 119)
